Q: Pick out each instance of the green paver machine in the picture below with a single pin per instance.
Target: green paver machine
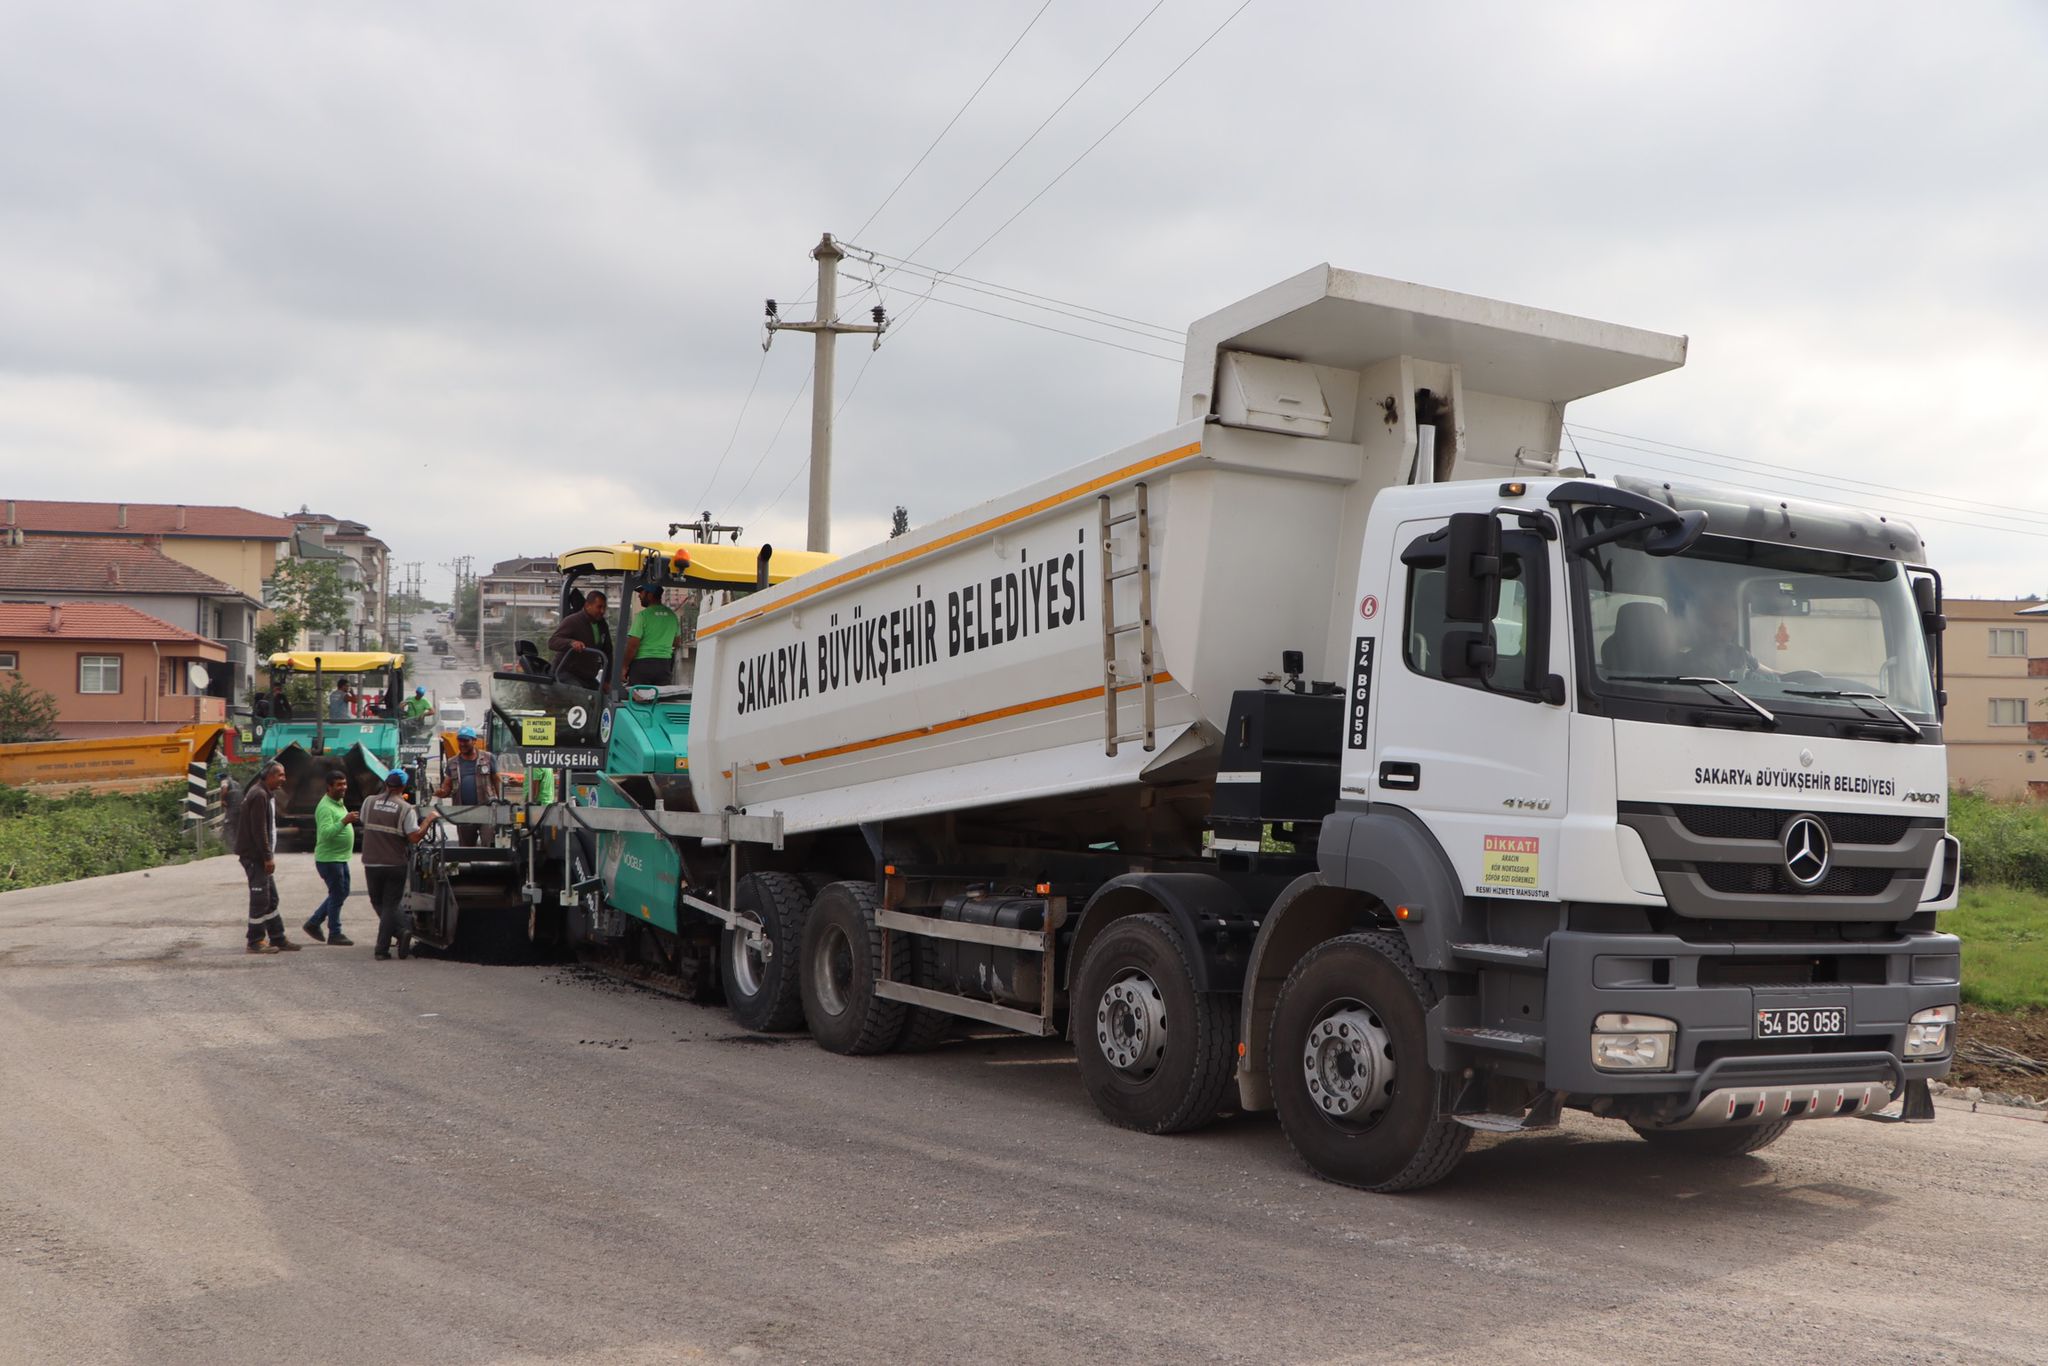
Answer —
(362, 739)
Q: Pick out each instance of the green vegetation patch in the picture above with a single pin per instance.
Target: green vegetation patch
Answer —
(57, 839)
(2003, 842)
(2005, 946)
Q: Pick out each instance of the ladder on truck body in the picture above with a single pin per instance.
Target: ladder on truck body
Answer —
(1113, 683)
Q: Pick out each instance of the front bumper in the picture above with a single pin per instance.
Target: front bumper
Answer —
(1720, 1072)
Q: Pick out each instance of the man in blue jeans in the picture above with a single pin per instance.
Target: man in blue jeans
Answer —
(334, 844)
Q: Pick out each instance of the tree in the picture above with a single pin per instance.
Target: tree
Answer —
(26, 713)
(465, 609)
(899, 521)
(308, 595)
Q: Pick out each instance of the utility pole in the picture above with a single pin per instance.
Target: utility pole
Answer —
(825, 327)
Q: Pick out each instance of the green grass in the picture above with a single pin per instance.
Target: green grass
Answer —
(2005, 843)
(2005, 946)
(56, 839)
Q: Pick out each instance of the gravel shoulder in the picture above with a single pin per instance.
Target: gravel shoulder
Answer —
(209, 1157)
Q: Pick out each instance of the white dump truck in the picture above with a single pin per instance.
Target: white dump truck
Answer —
(1342, 751)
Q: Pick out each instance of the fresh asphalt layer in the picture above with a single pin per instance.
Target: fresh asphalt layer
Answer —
(211, 1157)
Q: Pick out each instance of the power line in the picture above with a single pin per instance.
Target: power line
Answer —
(1105, 136)
(956, 117)
(794, 399)
(1826, 483)
(919, 267)
(1044, 327)
(918, 306)
(745, 403)
(1970, 504)
(1093, 316)
(976, 193)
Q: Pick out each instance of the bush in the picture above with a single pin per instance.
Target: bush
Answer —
(2003, 842)
(56, 839)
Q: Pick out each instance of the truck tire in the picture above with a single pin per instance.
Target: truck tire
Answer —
(1155, 1053)
(1349, 1062)
(923, 1028)
(842, 960)
(761, 990)
(1710, 1144)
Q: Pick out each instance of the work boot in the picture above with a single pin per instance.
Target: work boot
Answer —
(313, 932)
(262, 946)
(340, 940)
(383, 955)
(284, 946)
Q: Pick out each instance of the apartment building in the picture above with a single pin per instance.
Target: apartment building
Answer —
(1996, 725)
(518, 600)
(372, 577)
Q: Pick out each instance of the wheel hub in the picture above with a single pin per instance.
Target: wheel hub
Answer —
(1349, 1065)
(750, 953)
(1130, 1024)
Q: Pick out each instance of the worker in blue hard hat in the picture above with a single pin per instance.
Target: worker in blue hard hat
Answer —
(470, 777)
(417, 705)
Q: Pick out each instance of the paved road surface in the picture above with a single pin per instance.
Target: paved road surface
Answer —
(206, 1157)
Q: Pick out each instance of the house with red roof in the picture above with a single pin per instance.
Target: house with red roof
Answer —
(113, 670)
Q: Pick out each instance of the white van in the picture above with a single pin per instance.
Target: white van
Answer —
(452, 715)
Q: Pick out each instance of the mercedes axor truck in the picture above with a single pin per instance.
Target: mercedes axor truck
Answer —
(1341, 751)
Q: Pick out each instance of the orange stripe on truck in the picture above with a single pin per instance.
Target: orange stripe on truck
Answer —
(961, 723)
(954, 538)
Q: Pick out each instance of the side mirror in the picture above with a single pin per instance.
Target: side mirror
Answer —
(1472, 568)
(1927, 597)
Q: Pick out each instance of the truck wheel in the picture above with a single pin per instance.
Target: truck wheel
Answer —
(761, 978)
(923, 1028)
(1349, 1060)
(1155, 1053)
(842, 959)
(1716, 1143)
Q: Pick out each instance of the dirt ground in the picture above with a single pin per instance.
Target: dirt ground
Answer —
(2025, 1033)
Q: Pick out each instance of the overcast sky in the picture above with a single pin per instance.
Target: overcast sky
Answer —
(488, 276)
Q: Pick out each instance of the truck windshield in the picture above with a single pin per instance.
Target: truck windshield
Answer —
(1802, 631)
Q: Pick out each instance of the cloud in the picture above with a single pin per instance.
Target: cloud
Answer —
(490, 277)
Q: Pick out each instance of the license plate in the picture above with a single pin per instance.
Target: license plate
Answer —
(1814, 1023)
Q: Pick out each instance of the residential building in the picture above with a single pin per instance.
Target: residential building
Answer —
(1996, 656)
(519, 599)
(232, 544)
(372, 558)
(138, 574)
(229, 546)
(113, 670)
(310, 543)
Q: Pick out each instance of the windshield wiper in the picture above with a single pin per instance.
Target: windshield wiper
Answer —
(1911, 727)
(1769, 718)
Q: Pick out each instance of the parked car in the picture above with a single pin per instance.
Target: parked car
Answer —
(472, 688)
(447, 661)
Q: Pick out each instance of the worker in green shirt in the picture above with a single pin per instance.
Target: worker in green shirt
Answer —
(417, 705)
(651, 643)
(334, 844)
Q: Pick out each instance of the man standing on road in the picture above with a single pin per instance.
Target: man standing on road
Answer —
(256, 846)
(390, 824)
(334, 844)
(471, 778)
(651, 640)
(580, 638)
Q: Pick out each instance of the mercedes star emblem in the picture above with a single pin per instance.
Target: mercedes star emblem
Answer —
(1807, 850)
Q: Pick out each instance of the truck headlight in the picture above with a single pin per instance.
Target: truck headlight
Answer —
(1633, 1043)
(1927, 1031)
